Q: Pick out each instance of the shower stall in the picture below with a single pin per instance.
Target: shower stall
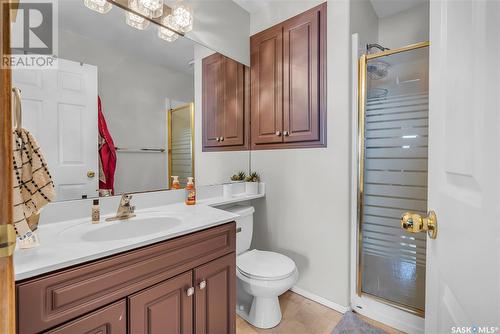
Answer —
(392, 153)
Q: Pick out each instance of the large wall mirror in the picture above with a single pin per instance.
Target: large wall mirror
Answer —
(119, 93)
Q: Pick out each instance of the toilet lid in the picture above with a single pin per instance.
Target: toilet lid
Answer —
(262, 264)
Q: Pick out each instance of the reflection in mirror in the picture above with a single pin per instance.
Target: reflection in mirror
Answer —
(121, 143)
(180, 143)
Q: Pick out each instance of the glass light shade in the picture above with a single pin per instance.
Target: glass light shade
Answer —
(150, 8)
(100, 6)
(167, 34)
(183, 16)
(135, 20)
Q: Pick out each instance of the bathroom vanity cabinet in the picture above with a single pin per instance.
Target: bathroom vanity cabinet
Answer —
(288, 83)
(182, 285)
(225, 104)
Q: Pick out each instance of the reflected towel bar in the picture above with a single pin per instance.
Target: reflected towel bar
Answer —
(141, 150)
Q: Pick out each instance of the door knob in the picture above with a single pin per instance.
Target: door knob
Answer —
(415, 223)
(203, 285)
(90, 174)
(286, 133)
(221, 138)
(278, 133)
(190, 292)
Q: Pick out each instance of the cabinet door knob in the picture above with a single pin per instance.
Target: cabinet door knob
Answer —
(278, 133)
(217, 138)
(190, 292)
(221, 138)
(286, 133)
(203, 285)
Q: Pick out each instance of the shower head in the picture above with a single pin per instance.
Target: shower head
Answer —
(377, 69)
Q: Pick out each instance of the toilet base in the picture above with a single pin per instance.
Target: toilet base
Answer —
(265, 312)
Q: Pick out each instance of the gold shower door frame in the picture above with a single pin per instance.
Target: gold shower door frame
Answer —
(362, 91)
(189, 106)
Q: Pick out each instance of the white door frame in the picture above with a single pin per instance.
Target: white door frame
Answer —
(365, 305)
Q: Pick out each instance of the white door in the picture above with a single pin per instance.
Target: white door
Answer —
(60, 110)
(463, 263)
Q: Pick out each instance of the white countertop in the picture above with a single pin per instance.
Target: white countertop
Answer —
(77, 241)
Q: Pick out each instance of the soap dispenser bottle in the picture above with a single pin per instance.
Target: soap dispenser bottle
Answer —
(175, 182)
(190, 192)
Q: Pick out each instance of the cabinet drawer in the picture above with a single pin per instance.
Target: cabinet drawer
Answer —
(50, 300)
(108, 320)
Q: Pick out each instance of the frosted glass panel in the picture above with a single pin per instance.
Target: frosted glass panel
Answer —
(395, 177)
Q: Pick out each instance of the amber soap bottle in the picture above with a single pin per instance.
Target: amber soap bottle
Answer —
(190, 192)
(175, 182)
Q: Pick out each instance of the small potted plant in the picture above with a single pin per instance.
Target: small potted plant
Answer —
(239, 177)
(252, 183)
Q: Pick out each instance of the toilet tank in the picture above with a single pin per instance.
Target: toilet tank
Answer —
(244, 226)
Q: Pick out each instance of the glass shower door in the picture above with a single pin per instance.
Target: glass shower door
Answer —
(393, 178)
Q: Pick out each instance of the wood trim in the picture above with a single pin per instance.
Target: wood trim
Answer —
(7, 292)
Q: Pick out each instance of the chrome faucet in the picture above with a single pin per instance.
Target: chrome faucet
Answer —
(125, 210)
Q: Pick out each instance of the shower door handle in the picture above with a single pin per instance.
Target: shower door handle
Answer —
(415, 223)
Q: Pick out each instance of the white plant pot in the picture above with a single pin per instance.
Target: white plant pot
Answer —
(252, 188)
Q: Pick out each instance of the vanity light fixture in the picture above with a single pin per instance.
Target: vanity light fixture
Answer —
(134, 20)
(183, 16)
(167, 34)
(100, 6)
(150, 8)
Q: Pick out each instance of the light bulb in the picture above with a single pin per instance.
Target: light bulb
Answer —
(167, 34)
(183, 16)
(100, 6)
(151, 8)
(134, 20)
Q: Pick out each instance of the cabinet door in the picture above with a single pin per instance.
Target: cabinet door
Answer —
(213, 99)
(215, 298)
(232, 120)
(304, 76)
(165, 308)
(108, 320)
(266, 86)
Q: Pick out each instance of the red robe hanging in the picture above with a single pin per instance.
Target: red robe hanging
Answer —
(107, 154)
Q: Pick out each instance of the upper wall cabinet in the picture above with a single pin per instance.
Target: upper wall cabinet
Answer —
(225, 110)
(288, 83)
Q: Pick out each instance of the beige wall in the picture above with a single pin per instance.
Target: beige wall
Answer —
(306, 211)
(404, 28)
(364, 22)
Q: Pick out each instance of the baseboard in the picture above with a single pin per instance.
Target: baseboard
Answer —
(320, 300)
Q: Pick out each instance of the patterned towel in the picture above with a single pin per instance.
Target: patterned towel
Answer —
(33, 187)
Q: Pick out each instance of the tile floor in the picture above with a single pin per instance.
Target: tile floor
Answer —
(303, 316)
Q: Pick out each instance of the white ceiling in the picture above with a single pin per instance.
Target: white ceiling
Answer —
(112, 30)
(252, 6)
(385, 8)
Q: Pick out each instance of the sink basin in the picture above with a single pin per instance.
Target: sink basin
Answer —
(142, 225)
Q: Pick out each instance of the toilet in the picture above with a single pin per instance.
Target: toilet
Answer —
(261, 276)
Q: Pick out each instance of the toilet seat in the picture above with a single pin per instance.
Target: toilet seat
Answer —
(263, 265)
